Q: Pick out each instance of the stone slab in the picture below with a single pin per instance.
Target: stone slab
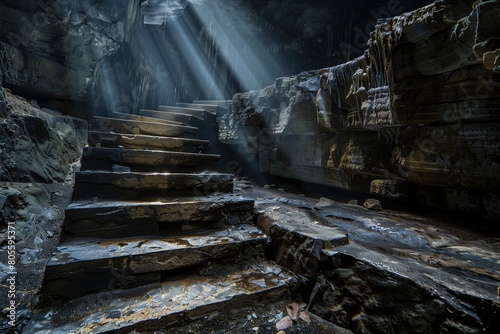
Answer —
(211, 109)
(298, 239)
(190, 111)
(160, 305)
(326, 237)
(116, 219)
(220, 103)
(134, 186)
(140, 118)
(177, 117)
(114, 140)
(117, 125)
(205, 106)
(78, 262)
(144, 160)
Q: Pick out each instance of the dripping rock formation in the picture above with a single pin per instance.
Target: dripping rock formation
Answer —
(414, 118)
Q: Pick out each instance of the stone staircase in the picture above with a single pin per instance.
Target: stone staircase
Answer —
(154, 235)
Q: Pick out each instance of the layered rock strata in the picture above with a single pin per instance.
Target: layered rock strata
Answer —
(415, 117)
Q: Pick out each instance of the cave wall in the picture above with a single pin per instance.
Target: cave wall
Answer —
(246, 44)
(96, 56)
(40, 150)
(414, 118)
(53, 50)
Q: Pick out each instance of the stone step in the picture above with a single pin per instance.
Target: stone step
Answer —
(140, 118)
(148, 186)
(157, 306)
(209, 123)
(114, 140)
(198, 112)
(168, 217)
(170, 116)
(106, 124)
(190, 111)
(207, 107)
(103, 158)
(220, 103)
(82, 266)
(211, 108)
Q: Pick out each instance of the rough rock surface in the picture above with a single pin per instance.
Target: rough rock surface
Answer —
(58, 51)
(414, 118)
(52, 46)
(400, 272)
(37, 213)
(35, 146)
(38, 145)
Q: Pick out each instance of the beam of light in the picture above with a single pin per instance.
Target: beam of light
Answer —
(244, 53)
(185, 38)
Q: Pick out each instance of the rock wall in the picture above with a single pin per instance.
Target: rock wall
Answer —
(38, 145)
(237, 46)
(415, 117)
(39, 149)
(95, 56)
(52, 49)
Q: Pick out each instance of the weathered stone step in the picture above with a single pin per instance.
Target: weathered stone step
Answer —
(148, 186)
(117, 125)
(207, 116)
(103, 158)
(220, 103)
(190, 111)
(211, 108)
(115, 140)
(171, 116)
(179, 216)
(140, 118)
(156, 306)
(82, 266)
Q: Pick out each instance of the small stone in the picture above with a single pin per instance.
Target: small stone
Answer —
(304, 315)
(372, 204)
(281, 332)
(58, 193)
(284, 323)
(50, 234)
(353, 202)
(324, 203)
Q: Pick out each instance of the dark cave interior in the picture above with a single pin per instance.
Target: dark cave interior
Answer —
(249, 166)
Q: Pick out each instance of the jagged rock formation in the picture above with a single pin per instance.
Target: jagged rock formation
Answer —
(415, 117)
(38, 145)
(51, 48)
(38, 150)
(395, 275)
